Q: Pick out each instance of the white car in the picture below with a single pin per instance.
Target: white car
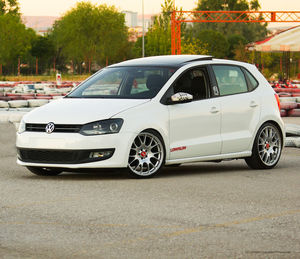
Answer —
(145, 113)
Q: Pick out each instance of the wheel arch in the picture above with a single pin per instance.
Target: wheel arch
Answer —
(160, 135)
(275, 123)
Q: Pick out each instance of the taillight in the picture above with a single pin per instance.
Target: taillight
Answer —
(278, 101)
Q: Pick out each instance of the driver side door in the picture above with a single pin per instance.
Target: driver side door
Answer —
(195, 127)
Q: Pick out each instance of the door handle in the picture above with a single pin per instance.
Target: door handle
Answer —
(253, 104)
(214, 110)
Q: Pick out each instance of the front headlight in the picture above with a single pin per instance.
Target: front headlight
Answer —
(22, 127)
(102, 127)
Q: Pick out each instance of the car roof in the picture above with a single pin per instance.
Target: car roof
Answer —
(163, 61)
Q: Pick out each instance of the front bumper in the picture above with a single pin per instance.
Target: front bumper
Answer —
(71, 150)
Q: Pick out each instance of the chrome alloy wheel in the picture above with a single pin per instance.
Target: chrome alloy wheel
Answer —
(146, 154)
(269, 145)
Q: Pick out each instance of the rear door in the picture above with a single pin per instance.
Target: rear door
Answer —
(240, 107)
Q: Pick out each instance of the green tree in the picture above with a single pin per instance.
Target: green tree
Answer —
(194, 47)
(235, 41)
(89, 33)
(159, 34)
(243, 32)
(15, 40)
(9, 7)
(215, 42)
(43, 49)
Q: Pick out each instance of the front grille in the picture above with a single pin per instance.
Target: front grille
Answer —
(62, 128)
(58, 156)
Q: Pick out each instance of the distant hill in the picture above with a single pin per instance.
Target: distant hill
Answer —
(39, 22)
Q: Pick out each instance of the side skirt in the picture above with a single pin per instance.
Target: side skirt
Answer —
(209, 158)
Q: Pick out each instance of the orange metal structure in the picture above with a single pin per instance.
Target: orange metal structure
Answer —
(179, 17)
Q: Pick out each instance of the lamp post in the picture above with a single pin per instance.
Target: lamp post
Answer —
(143, 40)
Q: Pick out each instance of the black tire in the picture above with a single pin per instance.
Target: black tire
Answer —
(267, 147)
(147, 155)
(42, 171)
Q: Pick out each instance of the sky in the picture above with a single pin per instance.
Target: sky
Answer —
(59, 7)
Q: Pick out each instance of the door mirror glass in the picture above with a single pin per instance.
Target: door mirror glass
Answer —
(180, 98)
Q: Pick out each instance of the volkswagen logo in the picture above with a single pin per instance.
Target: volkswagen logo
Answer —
(50, 127)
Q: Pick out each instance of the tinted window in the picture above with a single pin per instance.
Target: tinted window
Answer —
(193, 82)
(124, 82)
(251, 80)
(230, 79)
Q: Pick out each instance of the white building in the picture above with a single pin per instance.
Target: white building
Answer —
(131, 18)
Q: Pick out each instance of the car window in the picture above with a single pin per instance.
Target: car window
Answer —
(124, 82)
(108, 85)
(252, 82)
(194, 82)
(230, 79)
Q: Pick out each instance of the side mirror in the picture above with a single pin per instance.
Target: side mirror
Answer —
(180, 98)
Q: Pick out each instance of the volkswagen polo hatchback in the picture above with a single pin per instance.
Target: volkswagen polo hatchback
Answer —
(145, 113)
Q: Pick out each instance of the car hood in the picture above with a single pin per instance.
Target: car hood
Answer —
(80, 111)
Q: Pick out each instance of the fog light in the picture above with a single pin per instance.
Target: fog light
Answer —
(100, 154)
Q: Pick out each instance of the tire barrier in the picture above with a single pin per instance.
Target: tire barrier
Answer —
(289, 101)
(288, 106)
(294, 113)
(292, 142)
(4, 104)
(292, 135)
(18, 103)
(37, 102)
(283, 113)
(284, 95)
(4, 98)
(292, 130)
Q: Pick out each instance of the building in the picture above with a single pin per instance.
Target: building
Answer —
(131, 19)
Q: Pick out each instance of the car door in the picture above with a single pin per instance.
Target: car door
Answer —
(240, 108)
(194, 126)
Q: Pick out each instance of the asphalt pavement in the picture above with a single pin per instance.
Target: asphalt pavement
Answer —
(203, 210)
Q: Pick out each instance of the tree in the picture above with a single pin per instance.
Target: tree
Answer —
(249, 32)
(15, 40)
(43, 49)
(89, 33)
(235, 41)
(9, 7)
(159, 34)
(194, 47)
(216, 43)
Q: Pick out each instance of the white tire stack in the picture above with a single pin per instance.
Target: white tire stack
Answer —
(37, 102)
(293, 135)
(18, 103)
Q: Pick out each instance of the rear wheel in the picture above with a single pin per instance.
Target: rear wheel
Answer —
(266, 149)
(147, 155)
(44, 171)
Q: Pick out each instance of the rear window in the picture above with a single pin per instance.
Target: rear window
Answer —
(252, 82)
(230, 79)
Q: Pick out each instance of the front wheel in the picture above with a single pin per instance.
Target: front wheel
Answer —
(147, 155)
(44, 171)
(266, 149)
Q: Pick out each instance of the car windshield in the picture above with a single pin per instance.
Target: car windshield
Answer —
(124, 83)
